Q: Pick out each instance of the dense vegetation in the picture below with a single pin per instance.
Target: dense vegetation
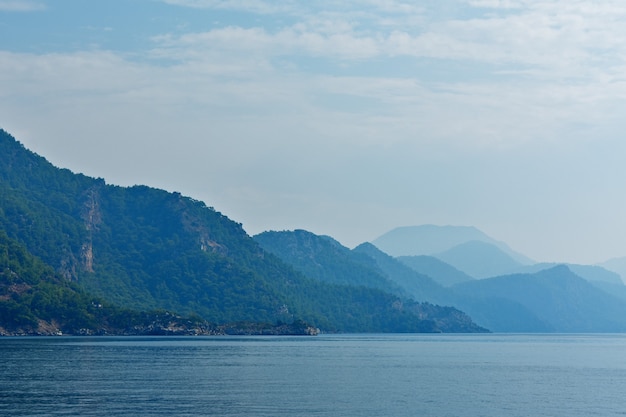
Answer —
(324, 259)
(30, 290)
(36, 300)
(140, 248)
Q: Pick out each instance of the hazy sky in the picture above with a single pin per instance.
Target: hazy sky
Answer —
(343, 118)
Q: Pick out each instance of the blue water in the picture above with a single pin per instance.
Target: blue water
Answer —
(355, 375)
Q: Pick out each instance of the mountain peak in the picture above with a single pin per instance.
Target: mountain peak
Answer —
(432, 239)
(479, 259)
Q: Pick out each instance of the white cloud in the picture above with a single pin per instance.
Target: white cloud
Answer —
(542, 39)
(552, 76)
(549, 80)
(296, 40)
(299, 7)
(252, 6)
(21, 6)
(496, 4)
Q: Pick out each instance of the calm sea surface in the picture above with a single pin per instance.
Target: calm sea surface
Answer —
(355, 375)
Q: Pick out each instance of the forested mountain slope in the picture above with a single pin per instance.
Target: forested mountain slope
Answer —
(324, 259)
(34, 300)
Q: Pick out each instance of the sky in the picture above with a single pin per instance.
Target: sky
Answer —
(346, 118)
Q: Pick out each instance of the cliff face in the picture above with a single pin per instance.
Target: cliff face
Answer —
(193, 224)
(92, 217)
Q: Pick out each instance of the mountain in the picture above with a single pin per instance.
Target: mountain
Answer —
(550, 300)
(554, 299)
(80, 256)
(592, 273)
(138, 246)
(479, 259)
(419, 286)
(617, 265)
(443, 273)
(146, 249)
(324, 259)
(432, 239)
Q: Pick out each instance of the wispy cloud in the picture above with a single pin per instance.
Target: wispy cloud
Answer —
(21, 6)
(297, 40)
(542, 67)
(496, 4)
(252, 6)
(552, 39)
(534, 71)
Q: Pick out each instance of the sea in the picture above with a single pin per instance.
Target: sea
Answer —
(326, 375)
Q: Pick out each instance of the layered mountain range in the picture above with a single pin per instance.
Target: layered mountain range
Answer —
(528, 298)
(147, 251)
(80, 256)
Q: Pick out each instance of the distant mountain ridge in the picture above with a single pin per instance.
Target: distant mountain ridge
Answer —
(419, 286)
(479, 259)
(617, 265)
(444, 273)
(556, 299)
(553, 299)
(592, 273)
(432, 239)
